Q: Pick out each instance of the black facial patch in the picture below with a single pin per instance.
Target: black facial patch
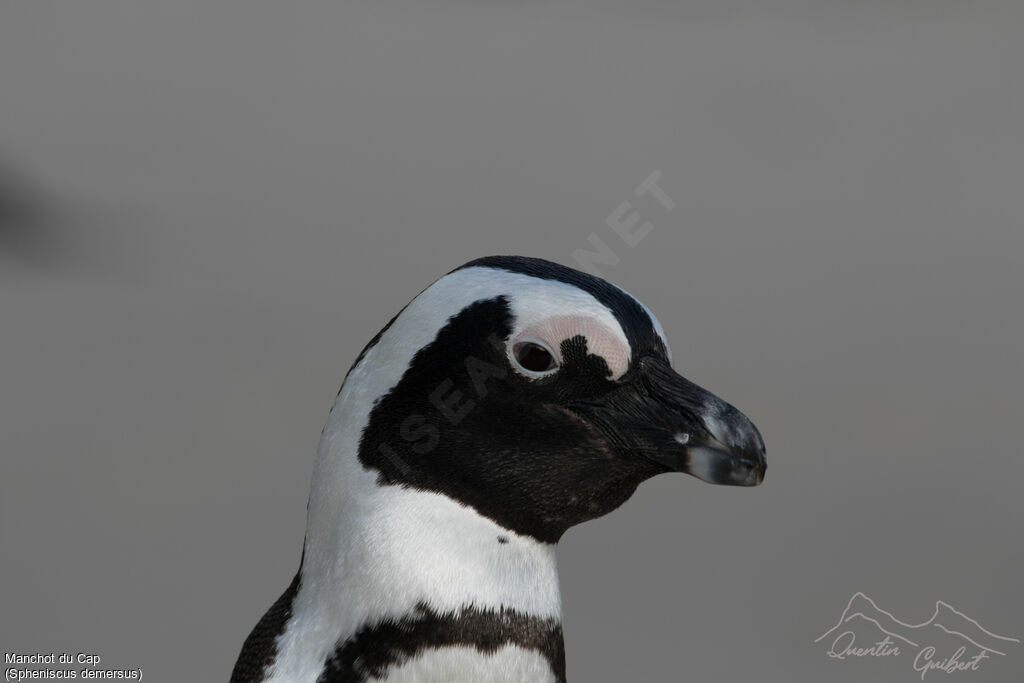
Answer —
(376, 648)
(635, 322)
(464, 423)
(589, 370)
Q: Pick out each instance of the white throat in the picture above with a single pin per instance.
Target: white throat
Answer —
(396, 549)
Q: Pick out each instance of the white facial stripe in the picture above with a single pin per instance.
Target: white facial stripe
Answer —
(660, 330)
(545, 305)
(654, 321)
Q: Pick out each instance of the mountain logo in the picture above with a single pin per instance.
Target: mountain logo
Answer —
(950, 641)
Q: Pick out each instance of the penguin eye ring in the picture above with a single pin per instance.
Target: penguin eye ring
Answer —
(534, 358)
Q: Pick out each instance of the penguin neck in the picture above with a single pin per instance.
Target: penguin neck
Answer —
(375, 552)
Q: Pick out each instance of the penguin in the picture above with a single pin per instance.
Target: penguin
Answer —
(510, 400)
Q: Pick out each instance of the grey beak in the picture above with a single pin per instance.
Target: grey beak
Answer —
(666, 418)
(729, 450)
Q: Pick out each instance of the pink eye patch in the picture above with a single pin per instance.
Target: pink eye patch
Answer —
(601, 341)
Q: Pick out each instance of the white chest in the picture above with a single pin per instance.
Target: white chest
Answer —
(392, 550)
(469, 665)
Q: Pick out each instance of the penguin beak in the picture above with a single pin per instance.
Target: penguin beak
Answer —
(671, 421)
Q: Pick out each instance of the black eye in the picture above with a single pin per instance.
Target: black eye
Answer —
(534, 357)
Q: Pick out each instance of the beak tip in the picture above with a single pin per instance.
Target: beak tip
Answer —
(748, 473)
(730, 467)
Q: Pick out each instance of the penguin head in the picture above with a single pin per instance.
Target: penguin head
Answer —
(540, 396)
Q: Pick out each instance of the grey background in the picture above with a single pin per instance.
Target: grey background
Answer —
(208, 208)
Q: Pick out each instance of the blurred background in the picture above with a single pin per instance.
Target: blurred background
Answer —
(208, 208)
